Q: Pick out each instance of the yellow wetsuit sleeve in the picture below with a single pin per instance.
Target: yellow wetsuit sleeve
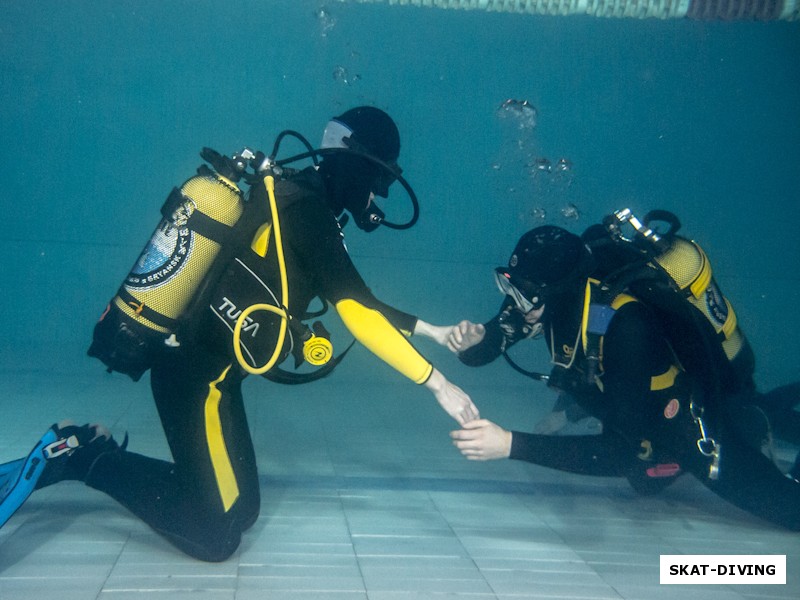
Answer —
(381, 338)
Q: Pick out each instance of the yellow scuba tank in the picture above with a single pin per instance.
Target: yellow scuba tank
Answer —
(687, 264)
(671, 273)
(181, 251)
(197, 221)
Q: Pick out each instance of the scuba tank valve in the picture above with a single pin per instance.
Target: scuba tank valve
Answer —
(644, 236)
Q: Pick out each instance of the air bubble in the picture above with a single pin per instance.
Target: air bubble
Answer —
(326, 21)
(571, 212)
(342, 75)
(521, 111)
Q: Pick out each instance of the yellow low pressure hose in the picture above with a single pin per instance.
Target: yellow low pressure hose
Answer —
(281, 311)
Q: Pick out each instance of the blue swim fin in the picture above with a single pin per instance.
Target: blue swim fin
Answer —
(18, 478)
(9, 474)
(7, 468)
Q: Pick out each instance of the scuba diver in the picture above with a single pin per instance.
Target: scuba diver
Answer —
(252, 268)
(642, 338)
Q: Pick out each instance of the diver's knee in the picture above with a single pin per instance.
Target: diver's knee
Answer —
(250, 517)
(210, 546)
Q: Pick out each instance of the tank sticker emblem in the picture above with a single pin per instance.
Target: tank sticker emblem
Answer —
(717, 307)
(166, 253)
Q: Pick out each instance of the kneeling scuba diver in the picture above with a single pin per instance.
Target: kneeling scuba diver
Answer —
(200, 264)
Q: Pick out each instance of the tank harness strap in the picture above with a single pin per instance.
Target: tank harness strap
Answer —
(666, 380)
(601, 302)
(703, 278)
(145, 311)
(596, 324)
(197, 221)
(260, 242)
(598, 315)
(731, 323)
(657, 382)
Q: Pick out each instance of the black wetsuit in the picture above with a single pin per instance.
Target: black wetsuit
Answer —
(208, 495)
(649, 431)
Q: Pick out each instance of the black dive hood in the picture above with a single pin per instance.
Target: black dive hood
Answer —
(372, 217)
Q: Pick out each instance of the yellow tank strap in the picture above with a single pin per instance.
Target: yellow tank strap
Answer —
(621, 301)
(380, 337)
(731, 323)
(658, 382)
(587, 301)
(218, 451)
(665, 380)
(261, 239)
(703, 279)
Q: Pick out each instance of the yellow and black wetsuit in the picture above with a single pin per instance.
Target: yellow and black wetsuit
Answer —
(209, 494)
(648, 429)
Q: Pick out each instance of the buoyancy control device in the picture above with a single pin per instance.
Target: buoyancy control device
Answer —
(204, 224)
(672, 275)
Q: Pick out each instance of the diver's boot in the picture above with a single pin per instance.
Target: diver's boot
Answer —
(756, 430)
(74, 452)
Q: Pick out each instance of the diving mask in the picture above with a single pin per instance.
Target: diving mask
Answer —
(525, 301)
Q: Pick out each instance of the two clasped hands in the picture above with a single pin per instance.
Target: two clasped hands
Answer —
(478, 439)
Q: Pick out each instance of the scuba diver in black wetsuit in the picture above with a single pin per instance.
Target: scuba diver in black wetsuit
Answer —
(673, 390)
(284, 249)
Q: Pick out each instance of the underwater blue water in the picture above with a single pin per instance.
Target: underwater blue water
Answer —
(105, 106)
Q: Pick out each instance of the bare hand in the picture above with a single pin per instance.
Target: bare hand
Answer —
(465, 335)
(455, 401)
(438, 333)
(482, 440)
